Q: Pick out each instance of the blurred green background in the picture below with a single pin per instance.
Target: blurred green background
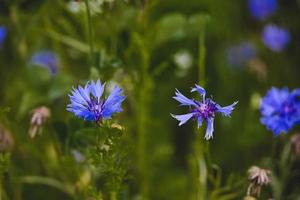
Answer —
(149, 48)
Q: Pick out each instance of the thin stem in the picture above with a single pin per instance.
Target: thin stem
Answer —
(200, 147)
(113, 195)
(201, 58)
(90, 31)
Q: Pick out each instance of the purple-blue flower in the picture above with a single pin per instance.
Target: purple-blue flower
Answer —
(275, 38)
(280, 110)
(240, 54)
(46, 59)
(203, 110)
(262, 9)
(3, 33)
(86, 102)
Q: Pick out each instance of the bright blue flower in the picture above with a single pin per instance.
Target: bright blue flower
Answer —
(203, 110)
(240, 54)
(86, 102)
(3, 33)
(280, 110)
(262, 9)
(46, 59)
(275, 38)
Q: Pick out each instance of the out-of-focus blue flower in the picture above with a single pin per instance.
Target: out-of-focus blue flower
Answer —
(46, 59)
(240, 54)
(86, 102)
(203, 110)
(275, 38)
(262, 9)
(280, 110)
(3, 33)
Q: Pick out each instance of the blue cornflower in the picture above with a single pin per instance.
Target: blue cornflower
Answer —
(262, 9)
(280, 110)
(46, 59)
(275, 38)
(240, 54)
(86, 102)
(3, 33)
(201, 110)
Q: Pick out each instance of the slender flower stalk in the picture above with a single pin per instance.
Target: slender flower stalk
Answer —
(90, 31)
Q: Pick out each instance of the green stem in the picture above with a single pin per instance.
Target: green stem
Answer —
(200, 147)
(201, 59)
(113, 195)
(90, 31)
(142, 124)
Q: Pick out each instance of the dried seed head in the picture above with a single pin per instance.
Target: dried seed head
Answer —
(258, 177)
(295, 144)
(38, 118)
(6, 141)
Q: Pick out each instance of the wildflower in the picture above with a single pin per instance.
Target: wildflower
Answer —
(46, 59)
(86, 102)
(201, 110)
(280, 110)
(3, 33)
(275, 37)
(295, 144)
(241, 54)
(6, 141)
(258, 177)
(262, 9)
(39, 116)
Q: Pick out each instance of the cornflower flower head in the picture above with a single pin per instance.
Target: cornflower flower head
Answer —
(241, 54)
(280, 110)
(203, 110)
(86, 102)
(275, 38)
(3, 33)
(46, 59)
(262, 9)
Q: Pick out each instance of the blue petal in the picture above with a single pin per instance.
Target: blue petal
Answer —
(296, 93)
(113, 103)
(84, 92)
(209, 129)
(183, 118)
(273, 101)
(226, 111)
(97, 89)
(276, 124)
(85, 114)
(183, 100)
(199, 120)
(3, 32)
(76, 97)
(200, 90)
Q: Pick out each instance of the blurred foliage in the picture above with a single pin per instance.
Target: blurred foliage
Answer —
(141, 152)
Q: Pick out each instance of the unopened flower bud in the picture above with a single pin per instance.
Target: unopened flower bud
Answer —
(6, 141)
(39, 117)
